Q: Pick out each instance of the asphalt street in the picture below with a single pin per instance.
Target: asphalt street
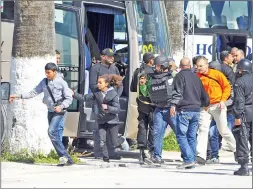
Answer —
(127, 172)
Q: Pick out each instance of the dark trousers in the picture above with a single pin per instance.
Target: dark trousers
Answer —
(145, 131)
(243, 135)
(108, 132)
(55, 131)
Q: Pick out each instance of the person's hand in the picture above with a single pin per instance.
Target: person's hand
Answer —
(12, 98)
(206, 108)
(72, 91)
(57, 109)
(104, 106)
(172, 111)
(238, 122)
(222, 105)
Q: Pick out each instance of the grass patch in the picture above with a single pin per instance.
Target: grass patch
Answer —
(170, 143)
(25, 157)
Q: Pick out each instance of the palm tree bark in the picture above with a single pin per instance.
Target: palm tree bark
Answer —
(175, 17)
(33, 47)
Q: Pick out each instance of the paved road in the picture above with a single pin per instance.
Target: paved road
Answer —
(94, 173)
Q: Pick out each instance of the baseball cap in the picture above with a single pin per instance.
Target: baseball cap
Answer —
(171, 60)
(148, 56)
(108, 52)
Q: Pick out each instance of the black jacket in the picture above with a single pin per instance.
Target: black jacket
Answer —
(243, 97)
(188, 92)
(100, 69)
(110, 115)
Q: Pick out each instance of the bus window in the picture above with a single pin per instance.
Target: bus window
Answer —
(68, 46)
(152, 30)
(120, 38)
(7, 10)
(220, 14)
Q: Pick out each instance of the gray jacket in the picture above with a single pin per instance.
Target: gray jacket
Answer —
(60, 91)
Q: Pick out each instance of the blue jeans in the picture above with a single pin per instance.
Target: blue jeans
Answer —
(186, 132)
(162, 119)
(214, 135)
(55, 132)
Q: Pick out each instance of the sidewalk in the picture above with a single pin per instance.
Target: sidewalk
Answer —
(125, 173)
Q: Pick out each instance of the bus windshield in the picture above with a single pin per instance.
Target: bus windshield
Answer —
(152, 30)
(220, 14)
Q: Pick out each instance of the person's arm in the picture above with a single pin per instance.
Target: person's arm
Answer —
(178, 89)
(239, 100)
(225, 86)
(36, 91)
(93, 77)
(115, 107)
(66, 91)
(205, 100)
(81, 97)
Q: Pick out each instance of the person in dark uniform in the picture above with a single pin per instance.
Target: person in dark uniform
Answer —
(243, 114)
(160, 92)
(105, 67)
(145, 109)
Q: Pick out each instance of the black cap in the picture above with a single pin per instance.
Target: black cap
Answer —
(108, 52)
(148, 56)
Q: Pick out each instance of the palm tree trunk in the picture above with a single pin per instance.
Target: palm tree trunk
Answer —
(175, 17)
(33, 47)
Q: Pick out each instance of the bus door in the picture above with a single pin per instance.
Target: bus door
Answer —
(68, 44)
(226, 41)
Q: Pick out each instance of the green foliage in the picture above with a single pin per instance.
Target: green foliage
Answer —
(25, 157)
(170, 143)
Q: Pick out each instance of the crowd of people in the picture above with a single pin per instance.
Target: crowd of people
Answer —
(203, 102)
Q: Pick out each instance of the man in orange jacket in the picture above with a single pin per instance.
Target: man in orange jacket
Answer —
(218, 88)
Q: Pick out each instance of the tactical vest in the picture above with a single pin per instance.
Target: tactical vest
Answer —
(160, 89)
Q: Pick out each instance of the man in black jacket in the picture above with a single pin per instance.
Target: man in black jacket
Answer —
(145, 109)
(188, 97)
(243, 114)
(214, 136)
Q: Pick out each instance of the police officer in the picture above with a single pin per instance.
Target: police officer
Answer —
(243, 114)
(145, 109)
(160, 92)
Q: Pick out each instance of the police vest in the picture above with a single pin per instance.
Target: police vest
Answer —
(160, 89)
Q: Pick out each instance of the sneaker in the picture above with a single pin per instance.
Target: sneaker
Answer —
(188, 165)
(200, 160)
(156, 161)
(213, 161)
(63, 161)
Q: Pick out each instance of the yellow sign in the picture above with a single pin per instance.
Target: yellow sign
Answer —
(147, 48)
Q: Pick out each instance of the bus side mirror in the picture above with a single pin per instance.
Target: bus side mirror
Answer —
(146, 7)
(5, 90)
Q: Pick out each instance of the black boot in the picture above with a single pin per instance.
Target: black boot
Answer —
(243, 170)
(141, 158)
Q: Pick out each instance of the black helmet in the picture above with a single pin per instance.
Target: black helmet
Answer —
(244, 65)
(215, 65)
(162, 60)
